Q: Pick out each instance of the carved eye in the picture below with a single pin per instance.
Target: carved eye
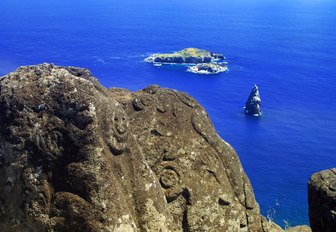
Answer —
(124, 118)
(115, 119)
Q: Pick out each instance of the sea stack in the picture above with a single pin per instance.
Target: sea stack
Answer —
(252, 105)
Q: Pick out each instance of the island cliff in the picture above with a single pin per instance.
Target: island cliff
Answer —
(203, 61)
(75, 156)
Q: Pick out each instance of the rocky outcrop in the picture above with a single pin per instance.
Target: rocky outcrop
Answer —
(180, 59)
(78, 157)
(210, 68)
(204, 62)
(299, 229)
(252, 105)
(186, 56)
(322, 201)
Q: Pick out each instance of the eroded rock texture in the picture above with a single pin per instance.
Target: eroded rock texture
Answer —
(322, 201)
(77, 157)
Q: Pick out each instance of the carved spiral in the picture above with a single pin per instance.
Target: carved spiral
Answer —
(169, 178)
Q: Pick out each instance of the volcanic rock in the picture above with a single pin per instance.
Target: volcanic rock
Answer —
(299, 229)
(78, 157)
(252, 105)
(322, 201)
(187, 56)
(208, 68)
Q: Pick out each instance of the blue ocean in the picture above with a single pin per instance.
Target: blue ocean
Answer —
(287, 48)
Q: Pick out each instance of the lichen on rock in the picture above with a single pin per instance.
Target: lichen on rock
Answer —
(78, 157)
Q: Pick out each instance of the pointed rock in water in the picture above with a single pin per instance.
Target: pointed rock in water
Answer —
(252, 105)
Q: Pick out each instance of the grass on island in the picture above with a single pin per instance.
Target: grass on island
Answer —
(188, 52)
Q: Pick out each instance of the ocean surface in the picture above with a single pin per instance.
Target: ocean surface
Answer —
(287, 48)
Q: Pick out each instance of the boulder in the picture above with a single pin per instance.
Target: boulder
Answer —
(322, 201)
(78, 157)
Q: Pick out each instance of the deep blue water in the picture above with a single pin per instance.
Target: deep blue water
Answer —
(286, 47)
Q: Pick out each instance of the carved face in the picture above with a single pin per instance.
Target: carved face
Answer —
(117, 130)
(120, 123)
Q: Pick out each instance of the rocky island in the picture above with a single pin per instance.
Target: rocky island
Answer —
(202, 61)
(207, 68)
(252, 105)
(75, 156)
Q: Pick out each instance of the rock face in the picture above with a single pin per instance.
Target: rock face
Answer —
(75, 156)
(252, 105)
(299, 229)
(322, 201)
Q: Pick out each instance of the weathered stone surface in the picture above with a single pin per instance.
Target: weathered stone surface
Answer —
(322, 201)
(299, 229)
(78, 157)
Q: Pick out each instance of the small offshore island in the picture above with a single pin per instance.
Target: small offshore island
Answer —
(202, 61)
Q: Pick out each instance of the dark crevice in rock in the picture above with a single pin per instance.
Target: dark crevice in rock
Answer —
(156, 132)
(242, 226)
(172, 198)
(212, 173)
(185, 226)
(186, 195)
(222, 202)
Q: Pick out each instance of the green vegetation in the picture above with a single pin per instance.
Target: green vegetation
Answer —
(188, 52)
(205, 62)
(194, 52)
